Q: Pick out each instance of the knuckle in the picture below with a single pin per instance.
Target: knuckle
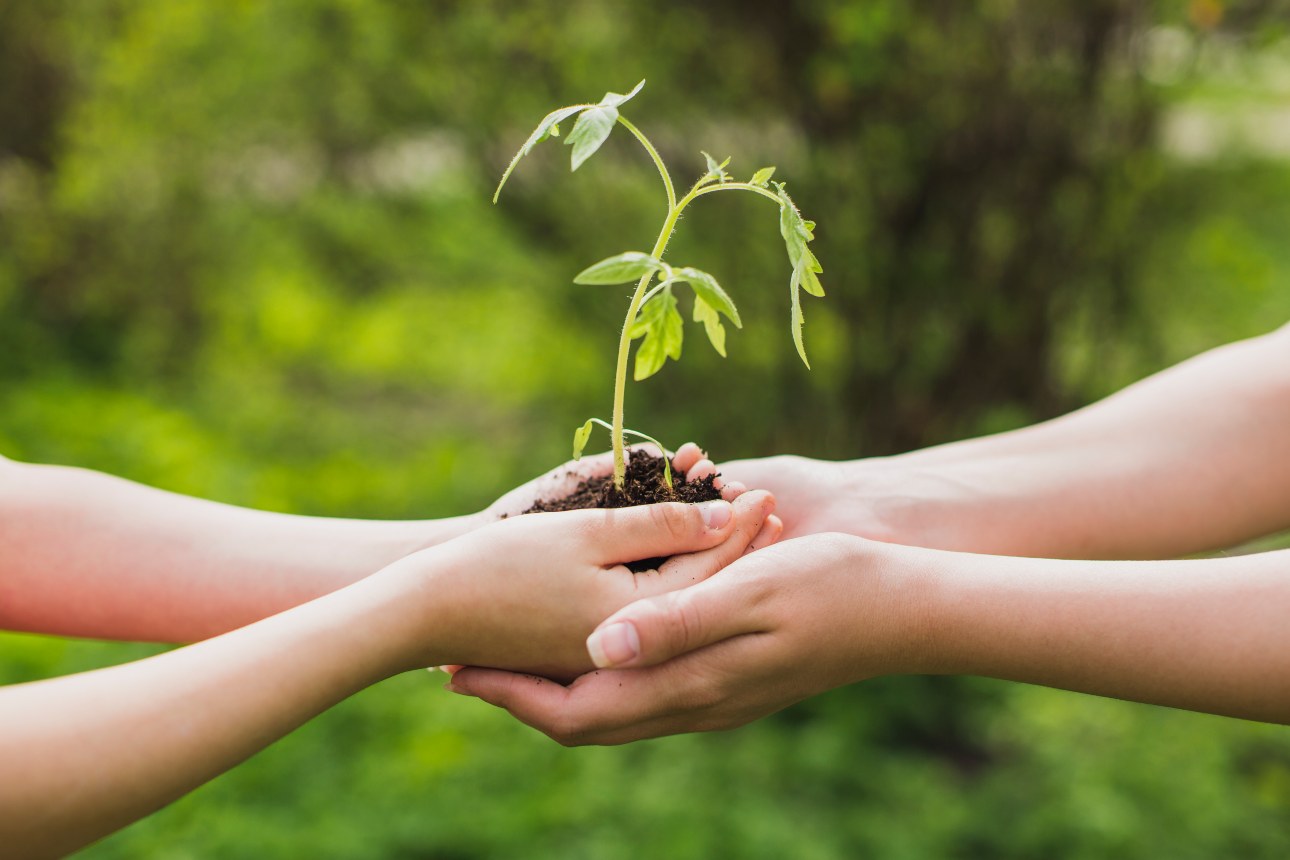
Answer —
(684, 623)
(710, 695)
(696, 690)
(759, 589)
(674, 520)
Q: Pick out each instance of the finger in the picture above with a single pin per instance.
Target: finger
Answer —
(619, 706)
(732, 490)
(532, 700)
(599, 707)
(701, 470)
(750, 512)
(648, 531)
(771, 531)
(659, 628)
(686, 456)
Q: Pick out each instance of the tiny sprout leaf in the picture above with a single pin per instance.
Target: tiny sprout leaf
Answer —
(620, 269)
(709, 291)
(716, 171)
(580, 438)
(590, 131)
(707, 314)
(762, 177)
(548, 127)
(614, 99)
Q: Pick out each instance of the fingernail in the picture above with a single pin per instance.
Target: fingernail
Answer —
(715, 514)
(614, 645)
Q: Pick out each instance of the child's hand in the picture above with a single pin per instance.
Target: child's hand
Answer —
(689, 460)
(526, 592)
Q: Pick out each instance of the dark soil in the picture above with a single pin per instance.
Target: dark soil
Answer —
(644, 486)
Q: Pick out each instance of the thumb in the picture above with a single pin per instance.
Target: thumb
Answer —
(646, 531)
(657, 629)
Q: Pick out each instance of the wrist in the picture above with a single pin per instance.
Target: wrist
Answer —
(425, 534)
(898, 500)
(898, 628)
(412, 611)
(938, 500)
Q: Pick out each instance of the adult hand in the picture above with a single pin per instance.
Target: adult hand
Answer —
(524, 593)
(771, 629)
(873, 498)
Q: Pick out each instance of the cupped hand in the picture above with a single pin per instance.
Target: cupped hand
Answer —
(767, 631)
(689, 460)
(877, 498)
(525, 592)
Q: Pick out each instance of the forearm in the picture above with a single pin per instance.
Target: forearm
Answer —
(1207, 635)
(86, 554)
(86, 754)
(1194, 458)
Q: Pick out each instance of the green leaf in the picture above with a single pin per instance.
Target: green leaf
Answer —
(709, 291)
(716, 171)
(649, 316)
(663, 329)
(673, 331)
(810, 267)
(590, 131)
(649, 358)
(798, 322)
(797, 232)
(594, 130)
(762, 177)
(621, 269)
(549, 126)
(615, 100)
(580, 438)
(707, 314)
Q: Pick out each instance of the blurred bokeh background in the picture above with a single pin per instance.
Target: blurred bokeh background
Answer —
(247, 252)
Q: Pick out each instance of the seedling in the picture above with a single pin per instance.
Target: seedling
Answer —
(653, 315)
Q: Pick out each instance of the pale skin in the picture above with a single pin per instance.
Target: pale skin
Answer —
(88, 554)
(86, 754)
(1194, 458)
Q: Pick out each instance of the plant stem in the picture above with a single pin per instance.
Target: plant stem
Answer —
(658, 161)
(675, 207)
(662, 452)
(735, 186)
(625, 345)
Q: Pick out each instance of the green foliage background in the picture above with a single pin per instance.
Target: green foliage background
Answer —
(247, 252)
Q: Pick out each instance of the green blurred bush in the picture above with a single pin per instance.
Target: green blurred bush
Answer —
(247, 252)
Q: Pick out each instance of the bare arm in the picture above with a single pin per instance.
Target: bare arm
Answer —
(86, 754)
(1194, 458)
(815, 613)
(87, 554)
(1206, 634)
